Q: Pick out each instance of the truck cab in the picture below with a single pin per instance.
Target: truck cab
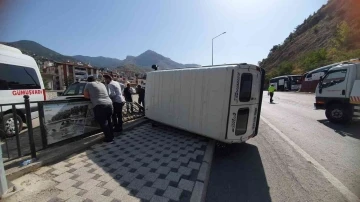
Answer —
(338, 92)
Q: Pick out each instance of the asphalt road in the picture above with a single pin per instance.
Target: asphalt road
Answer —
(297, 156)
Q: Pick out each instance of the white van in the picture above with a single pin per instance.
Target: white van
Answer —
(219, 102)
(19, 76)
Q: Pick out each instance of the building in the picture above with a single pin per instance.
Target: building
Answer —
(59, 75)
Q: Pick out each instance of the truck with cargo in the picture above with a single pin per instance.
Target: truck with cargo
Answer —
(338, 92)
(219, 102)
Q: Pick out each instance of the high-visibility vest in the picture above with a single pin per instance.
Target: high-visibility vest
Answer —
(271, 89)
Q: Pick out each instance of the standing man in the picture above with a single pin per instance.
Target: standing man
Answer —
(141, 99)
(128, 98)
(271, 91)
(117, 100)
(102, 106)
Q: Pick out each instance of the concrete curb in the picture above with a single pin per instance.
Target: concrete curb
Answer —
(59, 153)
(199, 191)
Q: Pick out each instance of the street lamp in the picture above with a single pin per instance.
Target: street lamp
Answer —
(212, 48)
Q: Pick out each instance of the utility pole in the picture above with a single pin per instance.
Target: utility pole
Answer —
(212, 48)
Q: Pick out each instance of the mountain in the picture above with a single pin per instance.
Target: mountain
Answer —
(144, 60)
(149, 58)
(332, 34)
(38, 51)
(99, 61)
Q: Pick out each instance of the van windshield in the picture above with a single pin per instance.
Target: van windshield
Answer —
(18, 77)
(333, 78)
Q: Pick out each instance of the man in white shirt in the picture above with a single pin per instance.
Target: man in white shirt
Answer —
(118, 101)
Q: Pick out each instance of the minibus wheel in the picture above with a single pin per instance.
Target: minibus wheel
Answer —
(8, 125)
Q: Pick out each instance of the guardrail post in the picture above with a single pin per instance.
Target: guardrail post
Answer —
(2, 129)
(3, 181)
(42, 124)
(16, 130)
(29, 125)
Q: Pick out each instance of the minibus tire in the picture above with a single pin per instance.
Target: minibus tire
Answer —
(7, 118)
(334, 109)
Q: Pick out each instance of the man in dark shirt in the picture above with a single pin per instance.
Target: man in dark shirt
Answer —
(141, 99)
(128, 98)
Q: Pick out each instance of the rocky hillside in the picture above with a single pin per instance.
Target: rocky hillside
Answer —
(331, 34)
(39, 52)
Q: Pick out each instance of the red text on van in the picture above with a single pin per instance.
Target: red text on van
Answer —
(27, 92)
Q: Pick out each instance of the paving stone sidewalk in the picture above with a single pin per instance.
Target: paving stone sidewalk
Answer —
(145, 164)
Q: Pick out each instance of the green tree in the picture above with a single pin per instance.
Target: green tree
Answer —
(341, 39)
(284, 68)
(315, 29)
(314, 59)
(69, 80)
(274, 48)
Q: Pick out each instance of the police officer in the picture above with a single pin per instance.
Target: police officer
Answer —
(271, 91)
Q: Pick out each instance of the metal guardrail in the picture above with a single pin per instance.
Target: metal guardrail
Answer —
(32, 138)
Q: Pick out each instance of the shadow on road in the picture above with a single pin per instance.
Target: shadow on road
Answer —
(237, 174)
(351, 129)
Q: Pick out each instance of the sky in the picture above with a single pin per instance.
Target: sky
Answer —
(179, 29)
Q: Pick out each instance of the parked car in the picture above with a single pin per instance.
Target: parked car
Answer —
(75, 90)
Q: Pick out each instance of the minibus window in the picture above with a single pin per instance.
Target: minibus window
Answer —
(245, 87)
(242, 121)
(18, 77)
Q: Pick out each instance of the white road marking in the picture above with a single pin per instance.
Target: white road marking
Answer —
(332, 179)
